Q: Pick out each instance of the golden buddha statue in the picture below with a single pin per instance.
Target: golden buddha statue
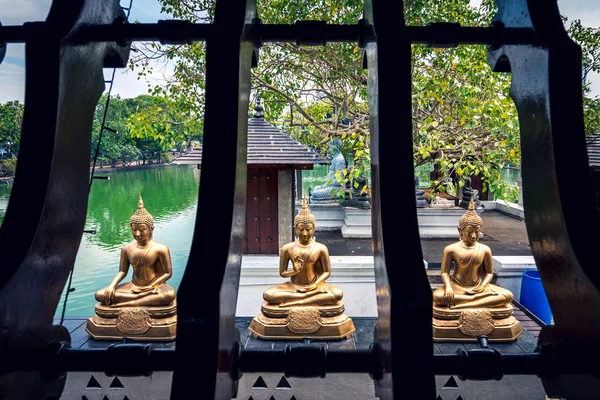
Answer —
(467, 305)
(305, 306)
(144, 308)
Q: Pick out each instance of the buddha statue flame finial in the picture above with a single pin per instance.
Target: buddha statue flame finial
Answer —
(304, 215)
(470, 217)
(141, 215)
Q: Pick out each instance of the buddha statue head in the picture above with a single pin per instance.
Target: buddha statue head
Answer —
(142, 223)
(335, 147)
(305, 223)
(469, 225)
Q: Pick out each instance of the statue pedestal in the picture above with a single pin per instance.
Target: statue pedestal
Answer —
(158, 323)
(296, 323)
(357, 223)
(465, 325)
(434, 222)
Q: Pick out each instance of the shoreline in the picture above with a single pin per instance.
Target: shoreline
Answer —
(7, 180)
(128, 167)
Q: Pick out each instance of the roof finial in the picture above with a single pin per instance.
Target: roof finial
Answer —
(258, 109)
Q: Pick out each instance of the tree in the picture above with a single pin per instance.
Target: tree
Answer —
(115, 137)
(11, 121)
(589, 40)
(464, 122)
(169, 122)
(137, 129)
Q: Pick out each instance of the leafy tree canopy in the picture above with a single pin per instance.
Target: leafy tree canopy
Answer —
(11, 120)
(140, 128)
(464, 122)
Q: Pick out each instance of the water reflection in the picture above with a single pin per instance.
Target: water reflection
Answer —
(167, 192)
(4, 195)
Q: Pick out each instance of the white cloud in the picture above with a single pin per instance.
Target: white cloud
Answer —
(594, 79)
(126, 84)
(12, 76)
(12, 82)
(16, 50)
(588, 11)
(20, 11)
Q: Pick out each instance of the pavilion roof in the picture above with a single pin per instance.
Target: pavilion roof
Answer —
(593, 149)
(267, 146)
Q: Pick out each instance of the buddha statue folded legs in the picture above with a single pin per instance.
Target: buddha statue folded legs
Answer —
(304, 306)
(467, 305)
(128, 295)
(289, 294)
(144, 308)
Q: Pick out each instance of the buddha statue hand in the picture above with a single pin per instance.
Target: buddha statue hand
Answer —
(309, 288)
(448, 295)
(298, 264)
(143, 289)
(109, 294)
(475, 290)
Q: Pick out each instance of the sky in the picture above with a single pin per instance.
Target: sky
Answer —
(127, 84)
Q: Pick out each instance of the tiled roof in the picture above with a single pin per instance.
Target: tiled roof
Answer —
(267, 145)
(593, 149)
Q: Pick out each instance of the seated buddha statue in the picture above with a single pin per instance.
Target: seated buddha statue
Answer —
(306, 305)
(468, 194)
(467, 304)
(147, 298)
(326, 193)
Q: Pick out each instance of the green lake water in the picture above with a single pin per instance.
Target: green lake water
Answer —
(170, 194)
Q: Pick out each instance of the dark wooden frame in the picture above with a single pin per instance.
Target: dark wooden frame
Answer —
(45, 216)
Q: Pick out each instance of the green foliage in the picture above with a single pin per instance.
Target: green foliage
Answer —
(161, 118)
(589, 40)
(141, 128)
(591, 115)
(11, 120)
(464, 120)
(8, 167)
(503, 190)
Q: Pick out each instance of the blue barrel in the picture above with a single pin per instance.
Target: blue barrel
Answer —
(533, 296)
